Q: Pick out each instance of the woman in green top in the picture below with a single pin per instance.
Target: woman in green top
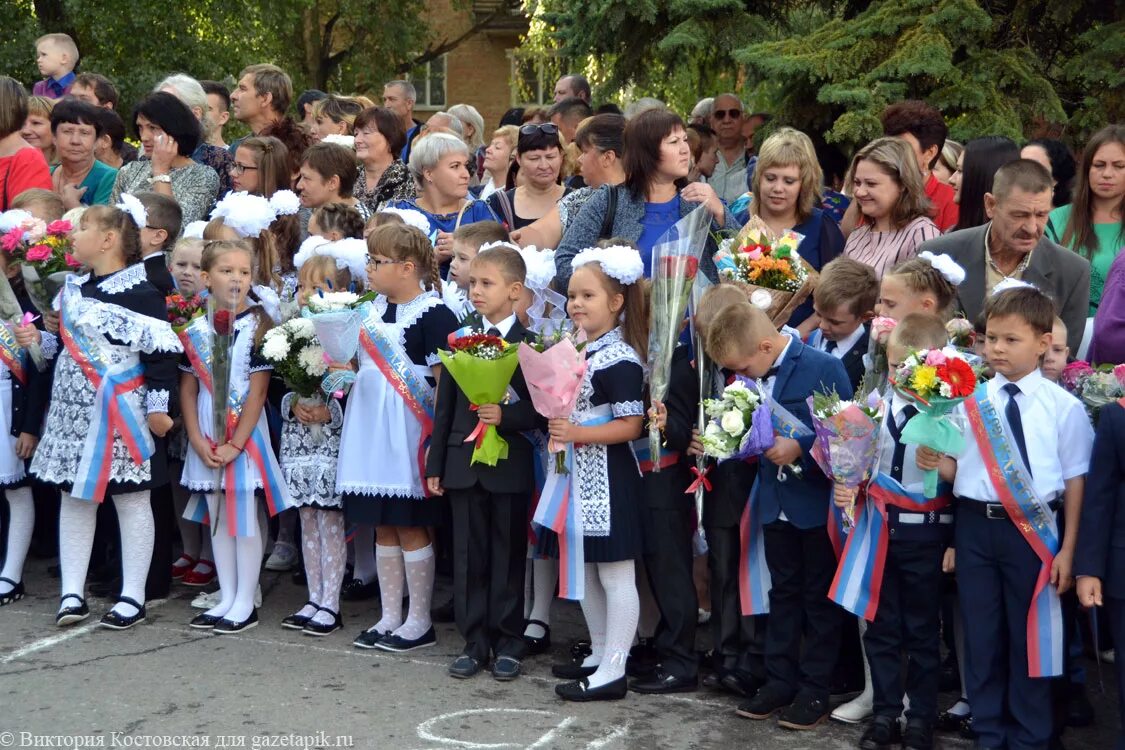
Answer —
(1094, 223)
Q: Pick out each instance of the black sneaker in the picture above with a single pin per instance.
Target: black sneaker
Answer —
(773, 697)
(919, 735)
(804, 713)
(880, 734)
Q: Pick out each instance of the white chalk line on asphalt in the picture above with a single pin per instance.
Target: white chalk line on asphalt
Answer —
(53, 640)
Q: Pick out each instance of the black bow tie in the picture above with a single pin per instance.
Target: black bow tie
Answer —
(771, 373)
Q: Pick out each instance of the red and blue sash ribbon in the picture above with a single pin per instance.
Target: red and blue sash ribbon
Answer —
(113, 411)
(754, 582)
(859, 575)
(391, 360)
(644, 457)
(12, 354)
(1036, 523)
(560, 510)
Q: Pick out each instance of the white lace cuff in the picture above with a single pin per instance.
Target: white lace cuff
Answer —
(627, 409)
(433, 360)
(49, 344)
(157, 401)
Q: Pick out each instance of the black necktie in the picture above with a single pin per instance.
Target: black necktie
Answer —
(494, 331)
(895, 426)
(830, 346)
(1012, 412)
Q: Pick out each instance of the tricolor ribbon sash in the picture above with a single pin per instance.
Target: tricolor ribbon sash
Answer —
(391, 360)
(12, 354)
(1036, 523)
(560, 510)
(859, 574)
(113, 411)
(754, 582)
(644, 457)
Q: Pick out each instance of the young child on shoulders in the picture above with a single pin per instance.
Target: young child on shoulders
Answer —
(844, 300)
(790, 517)
(489, 503)
(1027, 451)
(56, 55)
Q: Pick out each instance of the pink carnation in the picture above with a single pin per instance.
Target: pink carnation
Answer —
(39, 253)
(1074, 372)
(935, 358)
(881, 329)
(59, 227)
(12, 239)
(72, 261)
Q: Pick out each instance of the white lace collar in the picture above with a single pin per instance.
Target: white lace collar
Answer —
(124, 279)
(601, 342)
(407, 313)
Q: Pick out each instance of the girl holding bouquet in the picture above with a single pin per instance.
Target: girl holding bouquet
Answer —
(607, 301)
(234, 469)
(393, 397)
(119, 350)
(310, 448)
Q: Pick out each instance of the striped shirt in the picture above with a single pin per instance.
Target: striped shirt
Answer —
(884, 250)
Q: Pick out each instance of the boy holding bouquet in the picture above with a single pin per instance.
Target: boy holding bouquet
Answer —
(792, 513)
(908, 607)
(489, 503)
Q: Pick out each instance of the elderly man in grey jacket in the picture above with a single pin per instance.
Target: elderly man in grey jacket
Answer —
(1012, 245)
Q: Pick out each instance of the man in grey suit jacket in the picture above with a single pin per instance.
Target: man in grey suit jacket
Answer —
(1012, 245)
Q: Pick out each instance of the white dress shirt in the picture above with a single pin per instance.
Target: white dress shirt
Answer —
(844, 345)
(503, 326)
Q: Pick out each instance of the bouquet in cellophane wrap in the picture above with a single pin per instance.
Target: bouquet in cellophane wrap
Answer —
(297, 356)
(675, 263)
(483, 366)
(337, 320)
(847, 439)
(183, 310)
(935, 381)
(769, 269)
(43, 251)
(739, 423)
(221, 314)
(1094, 386)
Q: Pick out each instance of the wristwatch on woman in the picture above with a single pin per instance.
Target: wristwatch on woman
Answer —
(160, 178)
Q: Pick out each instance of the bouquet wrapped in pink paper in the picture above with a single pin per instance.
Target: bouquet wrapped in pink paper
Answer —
(847, 439)
(554, 375)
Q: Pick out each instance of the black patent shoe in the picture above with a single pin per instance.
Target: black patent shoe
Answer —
(880, 734)
(14, 595)
(312, 627)
(572, 670)
(73, 614)
(400, 645)
(117, 621)
(230, 627)
(536, 646)
(369, 639)
(663, 682)
(204, 621)
(356, 590)
(581, 692)
(296, 621)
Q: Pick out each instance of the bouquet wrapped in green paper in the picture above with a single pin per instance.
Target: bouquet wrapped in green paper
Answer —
(483, 366)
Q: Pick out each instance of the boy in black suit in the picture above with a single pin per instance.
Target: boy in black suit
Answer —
(489, 503)
(844, 303)
(162, 228)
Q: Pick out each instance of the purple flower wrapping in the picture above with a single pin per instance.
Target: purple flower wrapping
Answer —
(759, 438)
(845, 445)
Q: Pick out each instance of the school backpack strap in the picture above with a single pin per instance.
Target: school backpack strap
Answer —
(610, 214)
(504, 199)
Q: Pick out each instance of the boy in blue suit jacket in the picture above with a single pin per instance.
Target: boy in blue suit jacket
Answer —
(1099, 561)
(794, 513)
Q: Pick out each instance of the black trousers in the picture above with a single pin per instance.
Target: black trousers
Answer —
(159, 583)
(668, 561)
(996, 574)
(739, 642)
(489, 551)
(908, 621)
(802, 564)
(1115, 608)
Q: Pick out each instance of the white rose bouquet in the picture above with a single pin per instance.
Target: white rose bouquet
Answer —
(731, 419)
(297, 356)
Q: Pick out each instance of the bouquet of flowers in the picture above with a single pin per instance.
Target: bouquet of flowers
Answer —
(935, 381)
(961, 333)
(739, 425)
(183, 310)
(337, 319)
(675, 263)
(776, 278)
(482, 366)
(553, 367)
(876, 376)
(44, 254)
(297, 356)
(1094, 387)
(847, 439)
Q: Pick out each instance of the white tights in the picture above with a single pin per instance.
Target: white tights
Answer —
(325, 554)
(21, 522)
(238, 562)
(611, 607)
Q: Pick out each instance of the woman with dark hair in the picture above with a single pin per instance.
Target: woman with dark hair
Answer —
(328, 175)
(1093, 225)
(170, 134)
(655, 195)
(1059, 161)
(540, 158)
(79, 178)
(22, 165)
(379, 139)
(976, 168)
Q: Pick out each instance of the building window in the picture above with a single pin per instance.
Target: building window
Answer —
(533, 78)
(429, 80)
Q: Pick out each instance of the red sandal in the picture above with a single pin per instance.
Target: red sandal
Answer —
(196, 577)
(181, 567)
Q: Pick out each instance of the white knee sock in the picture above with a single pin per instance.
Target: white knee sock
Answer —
(622, 611)
(248, 555)
(392, 580)
(310, 542)
(366, 568)
(226, 563)
(21, 522)
(593, 609)
(333, 554)
(420, 564)
(77, 519)
(134, 516)
(545, 574)
(650, 613)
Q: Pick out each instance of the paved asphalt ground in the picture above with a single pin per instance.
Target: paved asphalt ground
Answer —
(165, 685)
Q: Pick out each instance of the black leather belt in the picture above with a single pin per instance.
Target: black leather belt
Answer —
(995, 511)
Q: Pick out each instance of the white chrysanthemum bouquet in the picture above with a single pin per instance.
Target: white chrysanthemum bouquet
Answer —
(296, 355)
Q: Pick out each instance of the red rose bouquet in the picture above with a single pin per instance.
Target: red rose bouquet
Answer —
(482, 366)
